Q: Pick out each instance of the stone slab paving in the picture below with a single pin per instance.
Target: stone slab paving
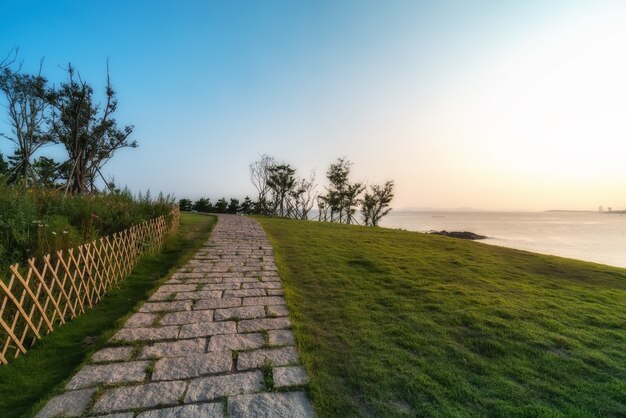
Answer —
(213, 341)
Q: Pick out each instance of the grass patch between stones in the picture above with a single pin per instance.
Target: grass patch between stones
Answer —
(268, 377)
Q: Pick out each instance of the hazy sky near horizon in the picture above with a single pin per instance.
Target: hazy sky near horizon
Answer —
(484, 104)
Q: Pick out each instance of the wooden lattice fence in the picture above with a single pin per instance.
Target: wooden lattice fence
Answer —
(37, 298)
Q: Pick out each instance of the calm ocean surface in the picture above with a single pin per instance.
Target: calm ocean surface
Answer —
(589, 236)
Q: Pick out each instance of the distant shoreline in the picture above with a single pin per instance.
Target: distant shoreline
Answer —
(421, 210)
(576, 211)
(606, 212)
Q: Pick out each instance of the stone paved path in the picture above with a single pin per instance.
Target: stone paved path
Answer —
(214, 341)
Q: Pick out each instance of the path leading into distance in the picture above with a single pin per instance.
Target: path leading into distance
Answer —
(214, 341)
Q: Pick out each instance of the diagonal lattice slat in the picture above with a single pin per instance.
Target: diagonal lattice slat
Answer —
(47, 293)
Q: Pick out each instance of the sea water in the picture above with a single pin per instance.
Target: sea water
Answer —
(589, 236)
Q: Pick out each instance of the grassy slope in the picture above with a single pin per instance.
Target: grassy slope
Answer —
(29, 380)
(395, 323)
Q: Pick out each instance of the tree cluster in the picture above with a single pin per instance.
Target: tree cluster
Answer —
(282, 193)
(343, 198)
(39, 114)
(232, 206)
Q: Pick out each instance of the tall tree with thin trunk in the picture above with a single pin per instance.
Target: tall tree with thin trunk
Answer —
(281, 182)
(375, 204)
(26, 102)
(342, 196)
(88, 130)
(350, 199)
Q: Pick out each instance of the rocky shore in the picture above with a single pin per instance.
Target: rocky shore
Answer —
(459, 234)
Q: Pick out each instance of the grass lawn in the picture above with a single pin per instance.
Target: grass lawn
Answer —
(396, 323)
(31, 379)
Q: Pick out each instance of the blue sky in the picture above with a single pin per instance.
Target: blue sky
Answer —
(212, 85)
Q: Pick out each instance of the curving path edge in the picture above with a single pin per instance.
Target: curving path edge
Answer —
(213, 341)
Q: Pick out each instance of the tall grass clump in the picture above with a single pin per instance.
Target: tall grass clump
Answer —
(38, 221)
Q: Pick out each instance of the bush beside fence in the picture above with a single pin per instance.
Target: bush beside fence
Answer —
(48, 292)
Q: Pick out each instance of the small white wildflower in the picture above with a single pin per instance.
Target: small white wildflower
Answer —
(54, 233)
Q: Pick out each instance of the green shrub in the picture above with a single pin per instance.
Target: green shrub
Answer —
(35, 222)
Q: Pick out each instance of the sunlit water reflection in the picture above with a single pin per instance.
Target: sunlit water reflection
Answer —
(586, 236)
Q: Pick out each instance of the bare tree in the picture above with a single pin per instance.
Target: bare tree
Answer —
(87, 130)
(303, 197)
(308, 195)
(9, 59)
(259, 176)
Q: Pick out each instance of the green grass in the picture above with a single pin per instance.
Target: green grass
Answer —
(396, 323)
(28, 381)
